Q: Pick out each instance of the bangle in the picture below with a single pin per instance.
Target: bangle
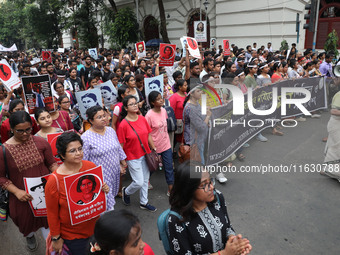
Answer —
(54, 239)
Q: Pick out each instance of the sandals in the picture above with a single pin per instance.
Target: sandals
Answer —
(241, 157)
(276, 132)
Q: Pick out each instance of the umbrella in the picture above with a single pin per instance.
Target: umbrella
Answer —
(153, 42)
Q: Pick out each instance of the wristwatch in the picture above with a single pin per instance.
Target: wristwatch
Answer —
(54, 239)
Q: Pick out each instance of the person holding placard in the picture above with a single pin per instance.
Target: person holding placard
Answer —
(70, 150)
(44, 121)
(26, 156)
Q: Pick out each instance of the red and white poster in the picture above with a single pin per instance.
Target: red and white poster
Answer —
(226, 47)
(167, 54)
(192, 46)
(52, 140)
(8, 76)
(85, 197)
(46, 56)
(35, 186)
(140, 49)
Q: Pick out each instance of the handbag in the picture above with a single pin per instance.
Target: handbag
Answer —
(4, 206)
(180, 126)
(49, 248)
(188, 152)
(153, 160)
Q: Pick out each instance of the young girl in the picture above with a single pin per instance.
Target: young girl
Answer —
(123, 91)
(156, 118)
(250, 80)
(263, 79)
(44, 121)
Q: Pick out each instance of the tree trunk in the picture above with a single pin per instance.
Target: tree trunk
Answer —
(113, 5)
(164, 31)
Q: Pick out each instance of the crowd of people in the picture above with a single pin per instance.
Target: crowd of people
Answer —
(118, 137)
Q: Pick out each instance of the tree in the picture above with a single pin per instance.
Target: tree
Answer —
(331, 43)
(124, 29)
(163, 30)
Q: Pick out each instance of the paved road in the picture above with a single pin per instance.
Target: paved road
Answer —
(280, 213)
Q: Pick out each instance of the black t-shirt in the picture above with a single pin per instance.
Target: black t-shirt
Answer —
(76, 84)
(86, 72)
(106, 76)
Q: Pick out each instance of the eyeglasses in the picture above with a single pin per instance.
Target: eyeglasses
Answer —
(135, 104)
(74, 151)
(22, 131)
(208, 185)
(100, 117)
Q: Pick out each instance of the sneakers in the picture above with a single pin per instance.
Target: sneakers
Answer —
(246, 145)
(316, 116)
(301, 119)
(125, 198)
(261, 138)
(221, 178)
(148, 207)
(149, 185)
(32, 243)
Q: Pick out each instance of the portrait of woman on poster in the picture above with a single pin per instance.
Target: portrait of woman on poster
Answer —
(87, 185)
(200, 27)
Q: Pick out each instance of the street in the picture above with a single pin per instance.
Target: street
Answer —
(280, 213)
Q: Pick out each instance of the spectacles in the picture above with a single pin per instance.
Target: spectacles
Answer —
(135, 104)
(101, 117)
(208, 185)
(74, 151)
(22, 131)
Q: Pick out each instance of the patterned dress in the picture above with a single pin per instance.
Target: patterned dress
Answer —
(32, 158)
(207, 231)
(105, 150)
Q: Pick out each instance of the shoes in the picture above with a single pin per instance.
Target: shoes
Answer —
(277, 132)
(32, 243)
(261, 138)
(316, 116)
(168, 193)
(241, 157)
(324, 139)
(221, 178)
(332, 175)
(149, 185)
(246, 145)
(148, 207)
(125, 198)
(301, 119)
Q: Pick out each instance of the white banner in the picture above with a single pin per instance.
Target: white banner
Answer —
(200, 31)
(8, 77)
(12, 48)
(192, 46)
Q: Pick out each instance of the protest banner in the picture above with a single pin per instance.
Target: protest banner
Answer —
(61, 50)
(52, 140)
(167, 54)
(153, 84)
(38, 93)
(46, 56)
(87, 99)
(183, 42)
(212, 43)
(192, 46)
(85, 197)
(228, 132)
(226, 48)
(35, 186)
(12, 48)
(109, 93)
(140, 49)
(32, 53)
(200, 31)
(93, 53)
(8, 77)
(35, 61)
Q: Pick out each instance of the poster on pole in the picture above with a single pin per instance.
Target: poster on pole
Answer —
(213, 43)
(46, 56)
(192, 46)
(38, 93)
(8, 77)
(153, 84)
(88, 98)
(167, 54)
(61, 50)
(140, 49)
(35, 186)
(32, 53)
(93, 53)
(226, 48)
(52, 140)
(109, 93)
(84, 194)
(200, 31)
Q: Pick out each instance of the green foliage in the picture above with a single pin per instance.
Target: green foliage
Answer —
(331, 43)
(124, 29)
(284, 46)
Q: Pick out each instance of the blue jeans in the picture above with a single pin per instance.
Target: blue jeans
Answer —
(140, 175)
(168, 167)
(78, 246)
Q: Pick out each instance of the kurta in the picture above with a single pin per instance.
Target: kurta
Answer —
(32, 158)
(105, 150)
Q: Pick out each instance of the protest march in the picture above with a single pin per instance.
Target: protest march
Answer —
(84, 130)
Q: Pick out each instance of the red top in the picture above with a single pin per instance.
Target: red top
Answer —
(6, 129)
(129, 139)
(63, 121)
(57, 209)
(276, 77)
(116, 111)
(176, 102)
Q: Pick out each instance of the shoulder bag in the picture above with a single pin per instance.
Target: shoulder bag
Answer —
(4, 206)
(153, 160)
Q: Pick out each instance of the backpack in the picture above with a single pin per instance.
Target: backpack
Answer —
(171, 120)
(163, 227)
